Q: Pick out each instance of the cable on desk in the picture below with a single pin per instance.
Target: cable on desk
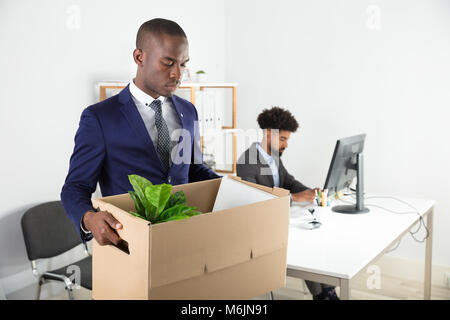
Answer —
(421, 221)
(412, 233)
(395, 248)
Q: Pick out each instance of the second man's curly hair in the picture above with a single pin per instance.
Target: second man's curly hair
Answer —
(277, 118)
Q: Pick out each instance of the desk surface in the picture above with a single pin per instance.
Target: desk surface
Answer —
(347, 243)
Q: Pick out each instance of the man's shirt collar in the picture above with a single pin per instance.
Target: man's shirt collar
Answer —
(141, 96)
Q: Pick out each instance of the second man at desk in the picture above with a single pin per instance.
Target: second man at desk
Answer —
(261, 164)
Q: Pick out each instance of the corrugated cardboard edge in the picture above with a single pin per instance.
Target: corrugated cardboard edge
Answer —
(216, 262)
(138, 275)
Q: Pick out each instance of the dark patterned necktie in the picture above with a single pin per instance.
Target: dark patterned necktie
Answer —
(163, 144)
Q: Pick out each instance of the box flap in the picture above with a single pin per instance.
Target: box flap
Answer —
(200, 194)
(210, 242)
(279, 192)
(233, 193)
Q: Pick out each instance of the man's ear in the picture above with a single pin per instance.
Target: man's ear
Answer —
(138, 56)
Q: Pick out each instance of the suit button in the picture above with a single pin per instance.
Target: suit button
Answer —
(169, 179)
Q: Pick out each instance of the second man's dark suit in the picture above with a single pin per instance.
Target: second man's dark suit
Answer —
(252, 167)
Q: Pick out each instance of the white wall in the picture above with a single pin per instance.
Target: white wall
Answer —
(317, 58)
(346, 67)
(50, 58)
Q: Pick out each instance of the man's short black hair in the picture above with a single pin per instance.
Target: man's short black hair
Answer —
(277, 118)
(158, 26)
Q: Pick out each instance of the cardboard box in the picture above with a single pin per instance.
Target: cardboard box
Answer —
(234, 253)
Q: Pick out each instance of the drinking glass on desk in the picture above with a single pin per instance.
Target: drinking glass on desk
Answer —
(314, 224)
(305, 217)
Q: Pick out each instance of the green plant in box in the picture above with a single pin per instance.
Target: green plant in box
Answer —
(155, 202)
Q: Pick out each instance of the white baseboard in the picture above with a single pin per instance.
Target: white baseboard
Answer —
(18, 281)
(2, 293)
(23, 285)
(412, 270)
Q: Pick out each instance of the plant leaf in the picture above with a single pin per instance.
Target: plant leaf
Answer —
(177, 210)
(177, 216)
(192, 211)
(155, 203)
(158, 195)
(137, 203)
(177, 198)
(139, 184)
(170, 212)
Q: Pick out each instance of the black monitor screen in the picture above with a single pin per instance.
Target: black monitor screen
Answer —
(341, 172)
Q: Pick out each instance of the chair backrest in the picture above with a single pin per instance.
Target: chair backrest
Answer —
(48, 231)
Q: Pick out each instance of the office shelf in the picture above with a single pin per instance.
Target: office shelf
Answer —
(215, 125)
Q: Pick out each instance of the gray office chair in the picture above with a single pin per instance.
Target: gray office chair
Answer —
(48, 232)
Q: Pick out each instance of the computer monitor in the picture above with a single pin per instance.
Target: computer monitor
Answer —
(346, 164)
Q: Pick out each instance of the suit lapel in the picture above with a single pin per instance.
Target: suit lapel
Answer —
(136, 123)
(281, 172)
(265, 179)
(177, 107)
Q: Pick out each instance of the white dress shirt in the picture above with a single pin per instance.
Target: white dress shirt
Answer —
(143, 102)
(272, 165)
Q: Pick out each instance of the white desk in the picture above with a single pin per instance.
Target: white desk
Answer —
(346, 244)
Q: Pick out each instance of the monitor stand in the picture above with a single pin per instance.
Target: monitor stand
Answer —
(359, 207)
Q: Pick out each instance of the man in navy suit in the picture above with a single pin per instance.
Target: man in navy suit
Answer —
(144, 130)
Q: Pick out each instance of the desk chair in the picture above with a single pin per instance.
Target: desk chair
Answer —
(48, 232)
